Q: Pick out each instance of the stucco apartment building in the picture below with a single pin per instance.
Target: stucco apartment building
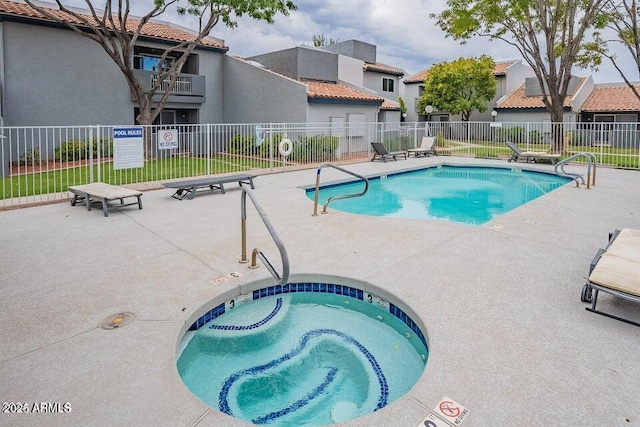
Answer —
(509, 76)
(49, 75)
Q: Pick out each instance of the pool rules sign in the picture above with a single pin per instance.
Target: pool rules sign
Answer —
(128, 148)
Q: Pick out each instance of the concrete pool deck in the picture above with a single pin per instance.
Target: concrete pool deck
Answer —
(509, 337)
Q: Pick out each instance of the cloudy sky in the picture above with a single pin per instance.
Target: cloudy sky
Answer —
(404, 34)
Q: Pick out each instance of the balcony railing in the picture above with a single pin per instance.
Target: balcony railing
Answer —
(188, 87)
(182, 84)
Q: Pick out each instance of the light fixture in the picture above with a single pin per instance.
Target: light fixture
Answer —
(494, 113)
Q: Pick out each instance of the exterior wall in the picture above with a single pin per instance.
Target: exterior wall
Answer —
(255, 95)
(301, 62)
(516, 75)
(354, 48)
(56, 77)
(316, 64)
(525, 115)
(53, 76)
(350, 70)
(210, 66)
(322, 113)
(582, 94)
(283, 62)
(410, 94)
(389, 116)
(373, 81)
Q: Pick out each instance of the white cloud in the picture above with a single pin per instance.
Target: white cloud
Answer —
(405, 35)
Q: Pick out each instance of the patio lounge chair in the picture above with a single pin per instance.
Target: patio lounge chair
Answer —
(530, 155)
(426, 147)
(381, 153)
(616, 271)
(99, 192)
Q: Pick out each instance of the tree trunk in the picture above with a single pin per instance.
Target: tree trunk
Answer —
(145, 118)
(557, 129)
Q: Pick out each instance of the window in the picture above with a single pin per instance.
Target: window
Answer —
(387, 85)
(149, 59)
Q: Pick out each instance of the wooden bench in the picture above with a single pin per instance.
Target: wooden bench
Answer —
(188, 187)
(99, 192)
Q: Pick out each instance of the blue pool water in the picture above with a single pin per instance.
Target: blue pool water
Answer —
(471, 195)
(299, 358)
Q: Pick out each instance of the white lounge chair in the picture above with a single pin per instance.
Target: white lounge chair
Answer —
(615, 270)
(530, 155)
(426, 147)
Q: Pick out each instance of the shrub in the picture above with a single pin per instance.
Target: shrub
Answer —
(78, 150)
(316, 148)
(515, 134)
(246, 146)
(32, 156)
(535, 137)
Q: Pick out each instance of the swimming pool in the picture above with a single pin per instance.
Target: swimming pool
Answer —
(470, 195)
(303, 354)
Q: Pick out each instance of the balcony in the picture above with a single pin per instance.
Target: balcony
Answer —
(189, 88)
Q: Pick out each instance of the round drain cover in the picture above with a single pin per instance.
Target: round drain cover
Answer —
(117, 320)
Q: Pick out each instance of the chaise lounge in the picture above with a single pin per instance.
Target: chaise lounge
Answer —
(100, 192)
(616, 271)
(530, 155)
(426, 147)
(189, 187)
(381, 153)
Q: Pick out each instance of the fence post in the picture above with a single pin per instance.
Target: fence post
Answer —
(90, 159)
(271, 160)
(208, 139)
(99, 147)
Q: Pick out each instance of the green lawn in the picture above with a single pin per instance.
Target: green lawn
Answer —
(154, 170)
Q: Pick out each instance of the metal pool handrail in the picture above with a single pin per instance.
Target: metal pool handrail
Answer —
(344, 196)
(257, 252)
(591, 159)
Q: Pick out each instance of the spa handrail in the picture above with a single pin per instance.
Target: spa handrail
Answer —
(344, 196)
(591, 159)
(257, 252)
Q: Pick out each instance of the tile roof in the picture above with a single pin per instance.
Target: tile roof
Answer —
(383, 68)
(338, 91)
(390, 105)
(152, 29)
(500, 69)
(518, 99)
(418, 77)
(612, 99)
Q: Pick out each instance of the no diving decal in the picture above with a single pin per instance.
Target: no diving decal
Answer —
(451, 411)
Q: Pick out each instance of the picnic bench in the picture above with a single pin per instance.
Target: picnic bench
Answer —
(188, 187)
(99, 192)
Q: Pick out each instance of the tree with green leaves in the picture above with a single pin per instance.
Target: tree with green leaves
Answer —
(550, 36)
(117, 32)
(403, 108)
(321, 40)
(460, 87)
(623, 19)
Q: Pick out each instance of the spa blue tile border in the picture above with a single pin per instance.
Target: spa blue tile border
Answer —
(311, 287)
(262, 322)
(214, 313)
